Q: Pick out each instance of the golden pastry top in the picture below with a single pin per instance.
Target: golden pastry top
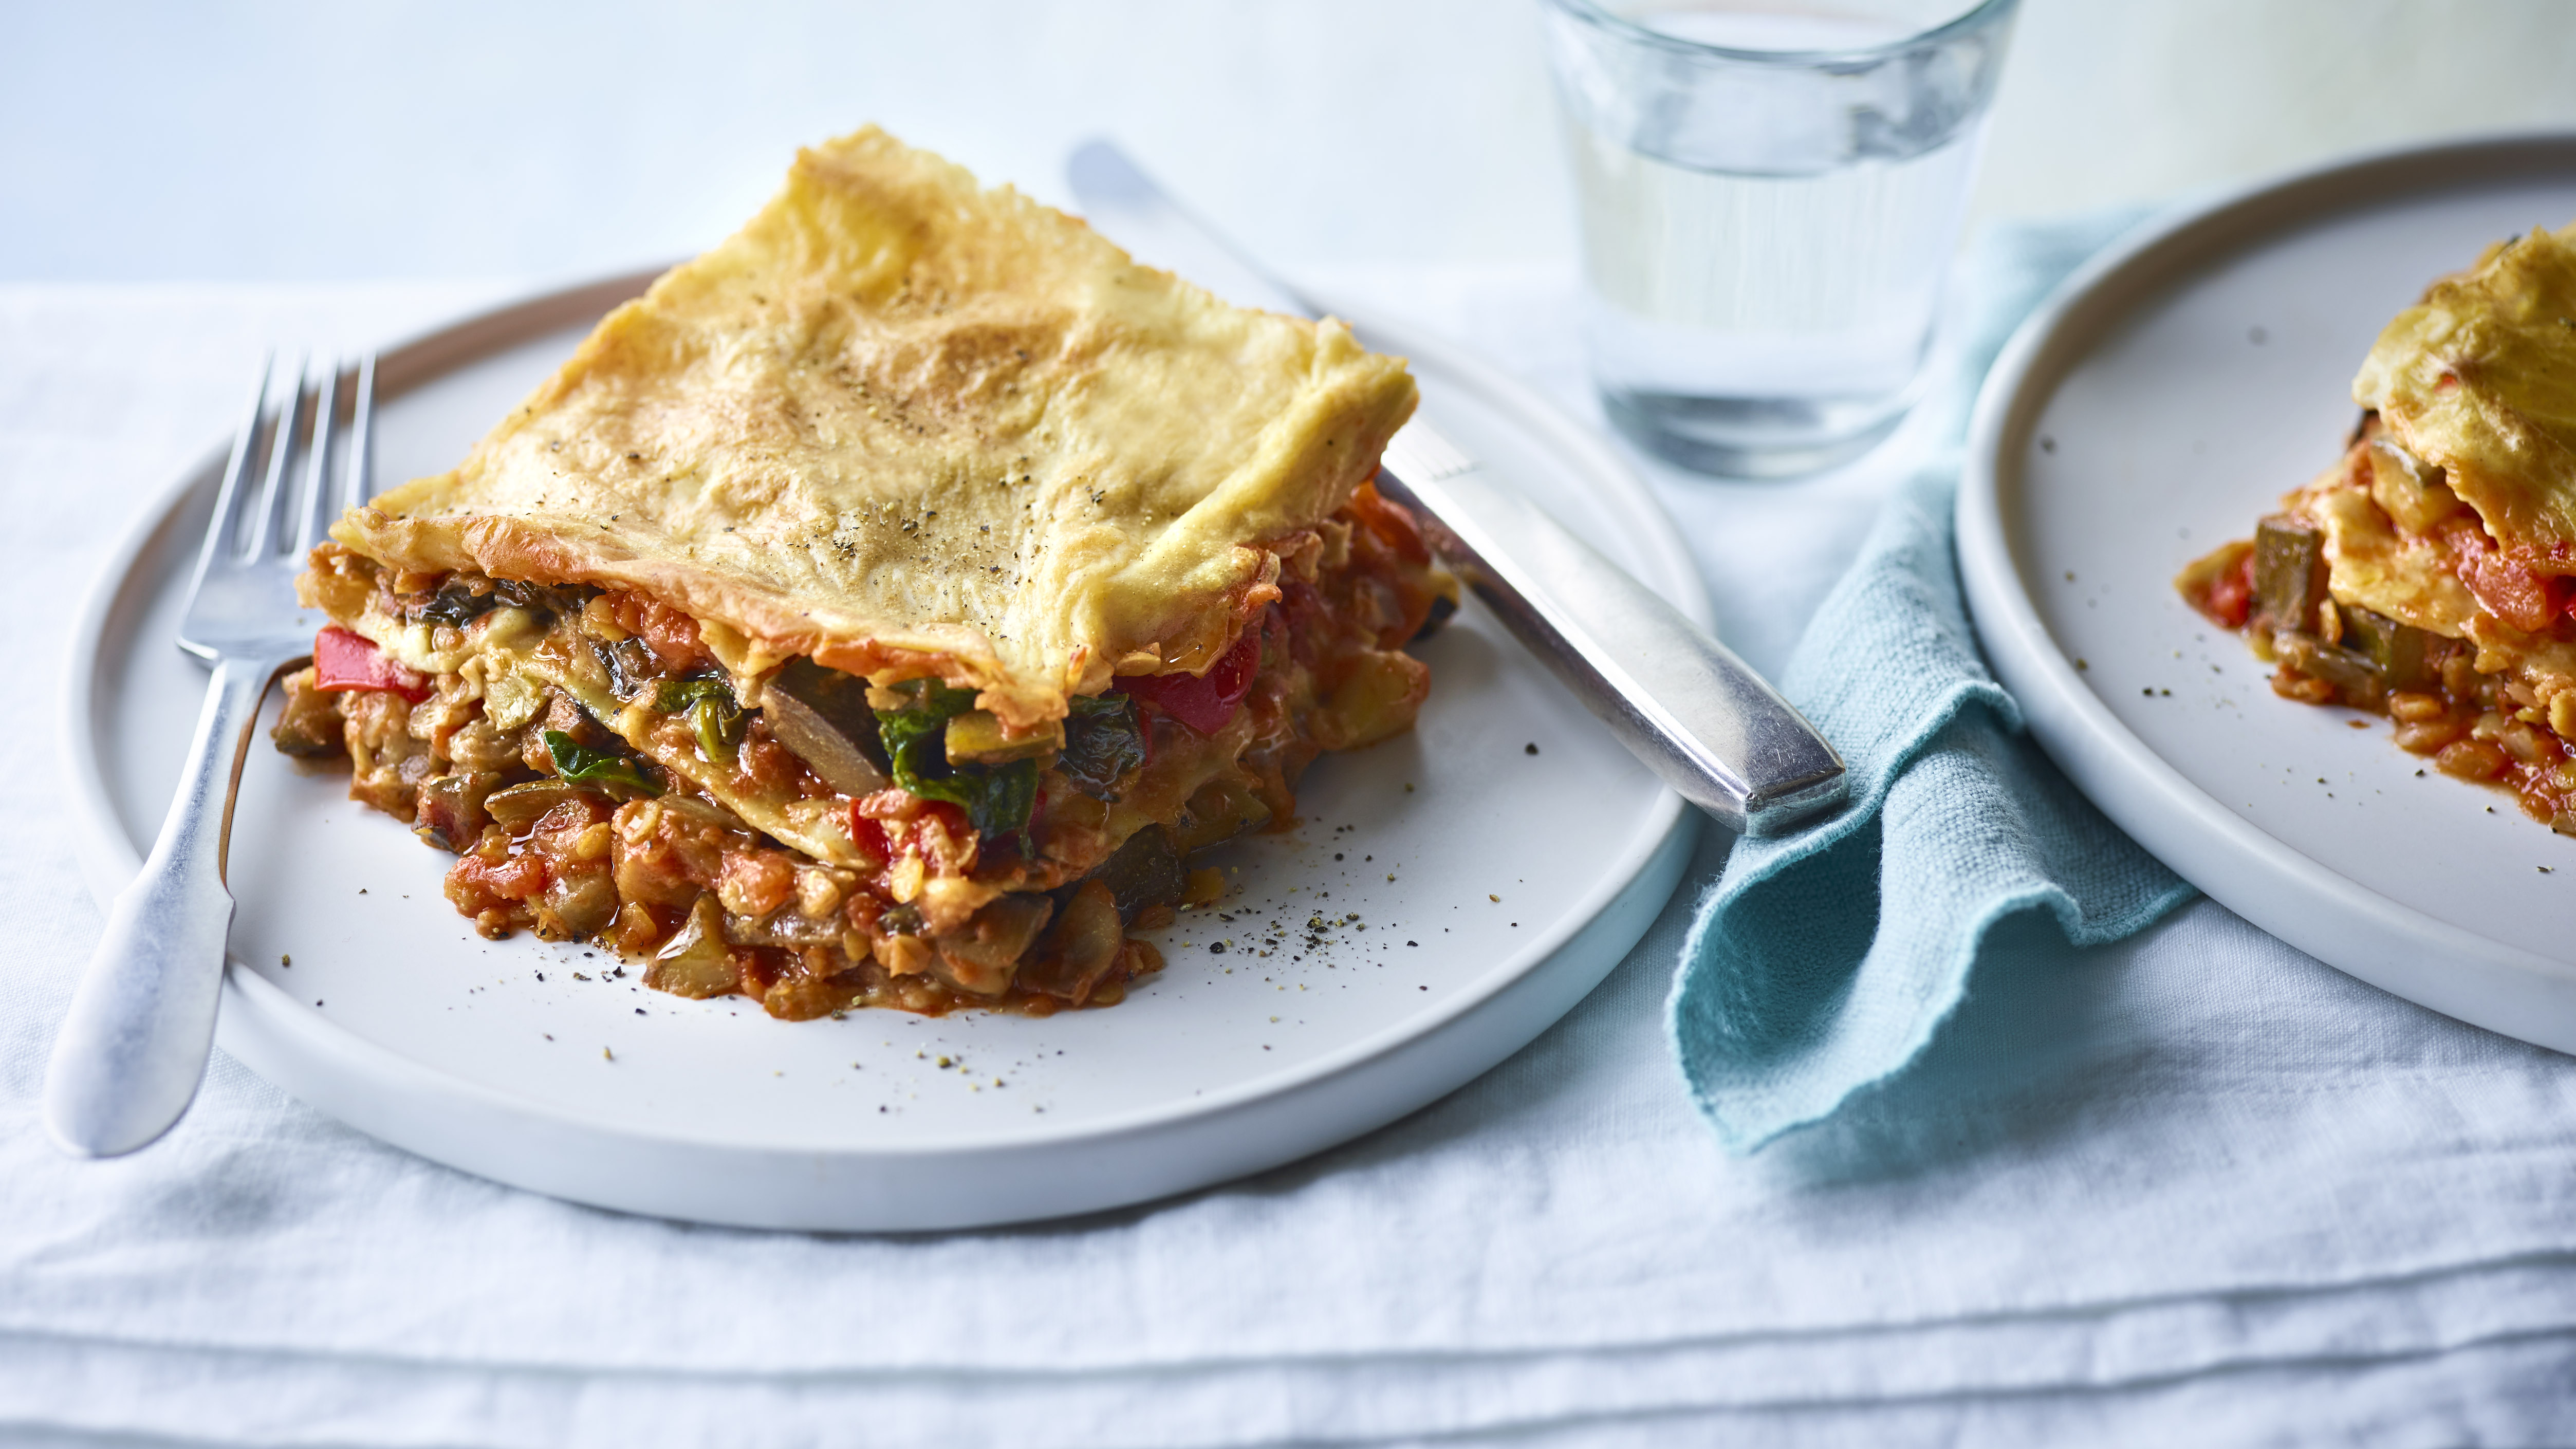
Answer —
(2480, 379)
(910, 426)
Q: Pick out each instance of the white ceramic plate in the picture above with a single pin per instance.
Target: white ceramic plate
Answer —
(2169, 394)
(1522, 877)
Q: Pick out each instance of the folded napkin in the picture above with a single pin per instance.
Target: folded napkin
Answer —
(1822, 963)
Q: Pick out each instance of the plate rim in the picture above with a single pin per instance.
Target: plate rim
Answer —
(109, 857)
(2247, 869)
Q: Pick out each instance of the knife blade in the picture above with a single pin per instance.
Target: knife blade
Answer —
(1701, 719)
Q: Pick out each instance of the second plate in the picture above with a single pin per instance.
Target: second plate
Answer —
(2163, 400)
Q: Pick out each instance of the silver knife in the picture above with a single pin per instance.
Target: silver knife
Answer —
(1681, 702)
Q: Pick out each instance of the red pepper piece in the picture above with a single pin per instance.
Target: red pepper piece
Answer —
(869, 835)
(2513, 592)
(2231, 594)
(344, 661)
(516, 878)
(1204, 702)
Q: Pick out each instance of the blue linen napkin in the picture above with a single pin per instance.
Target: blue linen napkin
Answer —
(1820, 964)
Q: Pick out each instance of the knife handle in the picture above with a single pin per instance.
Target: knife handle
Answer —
(1680, 701)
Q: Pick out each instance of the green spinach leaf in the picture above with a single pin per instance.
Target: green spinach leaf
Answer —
(997, 798)
(583, 765)
(718, 719)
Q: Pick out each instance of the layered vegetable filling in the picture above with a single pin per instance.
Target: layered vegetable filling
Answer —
(2379, 589)
(820, 840)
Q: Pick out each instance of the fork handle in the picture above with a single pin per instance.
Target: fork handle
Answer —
(143, 1016)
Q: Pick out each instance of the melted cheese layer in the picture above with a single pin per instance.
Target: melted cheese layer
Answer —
(909, 426)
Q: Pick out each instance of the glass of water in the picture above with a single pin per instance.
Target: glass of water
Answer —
(1771, 193)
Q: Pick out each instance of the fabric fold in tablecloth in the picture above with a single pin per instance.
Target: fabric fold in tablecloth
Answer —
(2146, 1355)
(2187, 1186)
(1824, 962)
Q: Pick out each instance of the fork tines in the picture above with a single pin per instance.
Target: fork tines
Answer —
(306, 414)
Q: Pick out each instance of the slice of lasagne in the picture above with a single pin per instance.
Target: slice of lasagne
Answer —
(883, 609)
(2430, 574)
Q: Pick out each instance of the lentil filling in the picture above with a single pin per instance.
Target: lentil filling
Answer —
(820, 842)
(2488, 694)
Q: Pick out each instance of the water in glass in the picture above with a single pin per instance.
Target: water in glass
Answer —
(1765, 247)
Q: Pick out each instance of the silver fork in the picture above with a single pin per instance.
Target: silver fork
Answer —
(134, 1047)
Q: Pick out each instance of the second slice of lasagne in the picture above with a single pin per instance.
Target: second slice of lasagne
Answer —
(2430, 573)
(884, 608)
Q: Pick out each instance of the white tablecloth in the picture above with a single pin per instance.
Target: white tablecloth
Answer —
(2192, 1188)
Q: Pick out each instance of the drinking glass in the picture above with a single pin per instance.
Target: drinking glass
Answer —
(1770, 192)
